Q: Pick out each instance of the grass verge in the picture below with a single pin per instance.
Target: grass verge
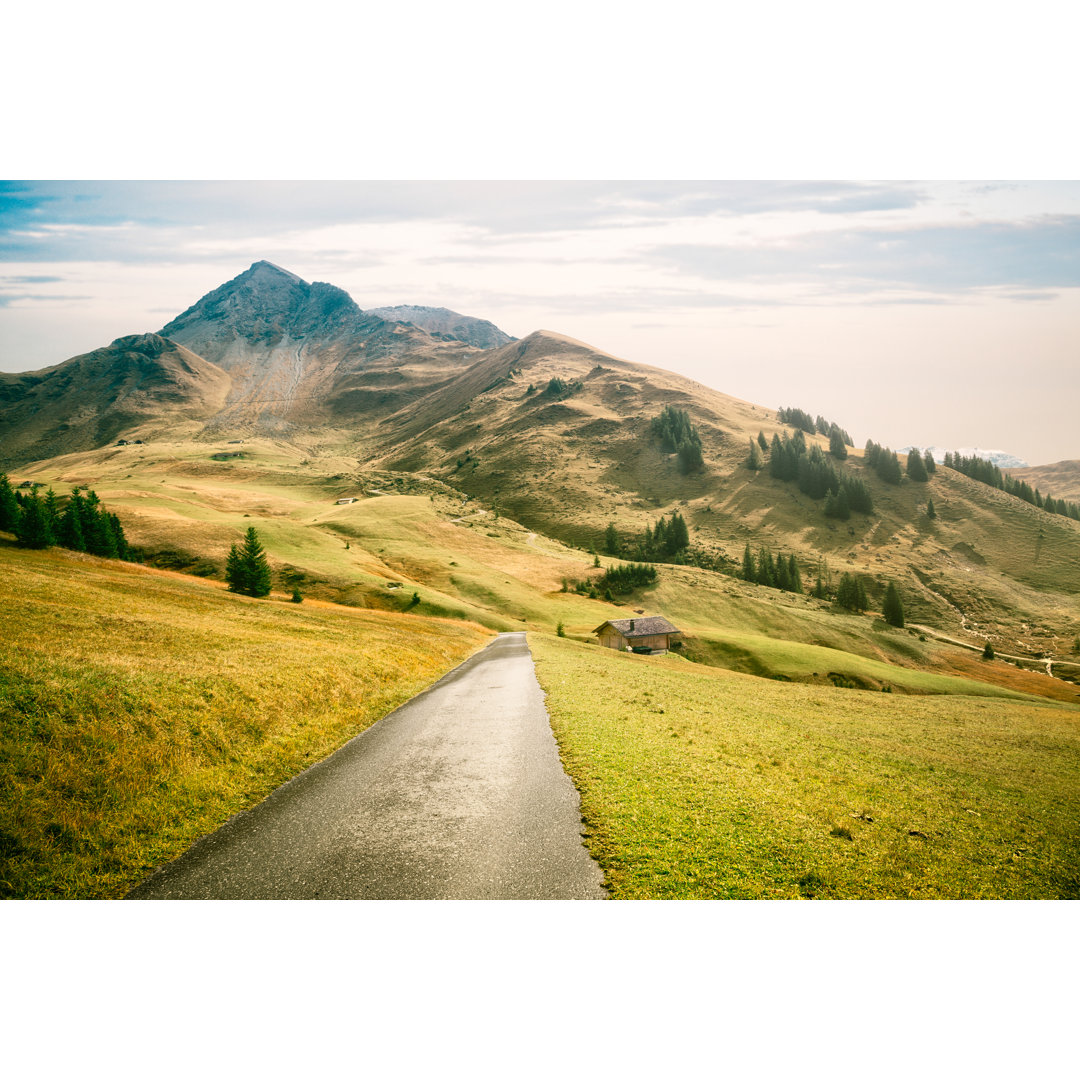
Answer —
(139, 711)
(701, 783)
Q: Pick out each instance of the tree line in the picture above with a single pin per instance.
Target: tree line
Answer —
(667, 541)
(987, 472)
(798, 418)
(775, 572)
(83, 524)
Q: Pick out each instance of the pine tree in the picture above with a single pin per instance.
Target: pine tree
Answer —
(931, 513)
(100, 538)
(988, 651)
(749, 572)
(246, 568)
(70, 533)
(678, 533)
(795, 575)
(611, 539)
(916, 468)
(32, 529)
(892, 609)
(851, 593)
(836, 444)
(9, 505)
(783, 579)
(929, 462)
(755, 461)
(762, 441)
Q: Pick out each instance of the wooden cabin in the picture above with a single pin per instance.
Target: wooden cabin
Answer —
(653, 634)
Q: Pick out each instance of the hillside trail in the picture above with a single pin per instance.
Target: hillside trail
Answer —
(479, 513)
(937, 635)
(458, 794)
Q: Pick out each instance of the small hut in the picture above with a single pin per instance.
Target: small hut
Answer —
(651, 635)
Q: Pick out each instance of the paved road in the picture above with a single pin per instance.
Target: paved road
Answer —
(458, 794)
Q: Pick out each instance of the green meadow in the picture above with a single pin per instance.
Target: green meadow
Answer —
(699, 783)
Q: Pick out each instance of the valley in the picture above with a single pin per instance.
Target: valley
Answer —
(490, 490)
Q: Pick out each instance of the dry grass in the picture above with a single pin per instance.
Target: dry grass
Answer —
(140, 710)
(701, 783)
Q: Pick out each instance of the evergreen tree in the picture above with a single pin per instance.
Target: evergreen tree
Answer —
(837, 506)
(51, 511)
(32, 529)
(689, 456)
(611, 539)
(783, 579)
(70, 533)
(988, 651)
(795, 575)
(9, 504)
(755, 461)
(931, 513)
(766, 569)
(916, 468)
(678, 534)
(836, 444)
(929, 462)
(246, 568)
(892, 609)
(762, 441)
(851, 593)
(749, 571)
(100, 538)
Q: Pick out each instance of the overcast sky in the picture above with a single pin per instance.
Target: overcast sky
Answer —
(945, 313)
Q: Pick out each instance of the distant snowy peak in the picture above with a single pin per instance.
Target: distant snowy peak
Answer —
(1001, 458)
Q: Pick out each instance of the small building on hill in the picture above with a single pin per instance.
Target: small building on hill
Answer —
(653, 634)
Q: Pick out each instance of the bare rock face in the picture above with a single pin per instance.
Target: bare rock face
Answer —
(445, 323)
(261, 308)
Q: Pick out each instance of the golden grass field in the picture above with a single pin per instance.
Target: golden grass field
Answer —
(705, 784)
(142, 709)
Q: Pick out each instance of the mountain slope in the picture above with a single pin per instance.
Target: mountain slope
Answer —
(92, 399)
(567, 462)
(1062, 479)
(446, 323)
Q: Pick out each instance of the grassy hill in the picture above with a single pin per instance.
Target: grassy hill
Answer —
(706, 784)
(413, 535)
(142, 709)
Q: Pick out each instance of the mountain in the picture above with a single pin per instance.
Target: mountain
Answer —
(442, 322)
(1062, 479)
(301, 353)
(550, 431)
(1002, 458)
(91, 400)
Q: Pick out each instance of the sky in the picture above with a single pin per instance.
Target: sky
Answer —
(911, 313)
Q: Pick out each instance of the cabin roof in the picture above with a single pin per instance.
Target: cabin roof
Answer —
(646, 627)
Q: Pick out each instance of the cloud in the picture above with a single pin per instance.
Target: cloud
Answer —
(30, 279)
(8, 298)
(153, 221)
(1039, 253)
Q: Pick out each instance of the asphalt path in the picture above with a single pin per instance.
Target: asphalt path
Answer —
(458, 794)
